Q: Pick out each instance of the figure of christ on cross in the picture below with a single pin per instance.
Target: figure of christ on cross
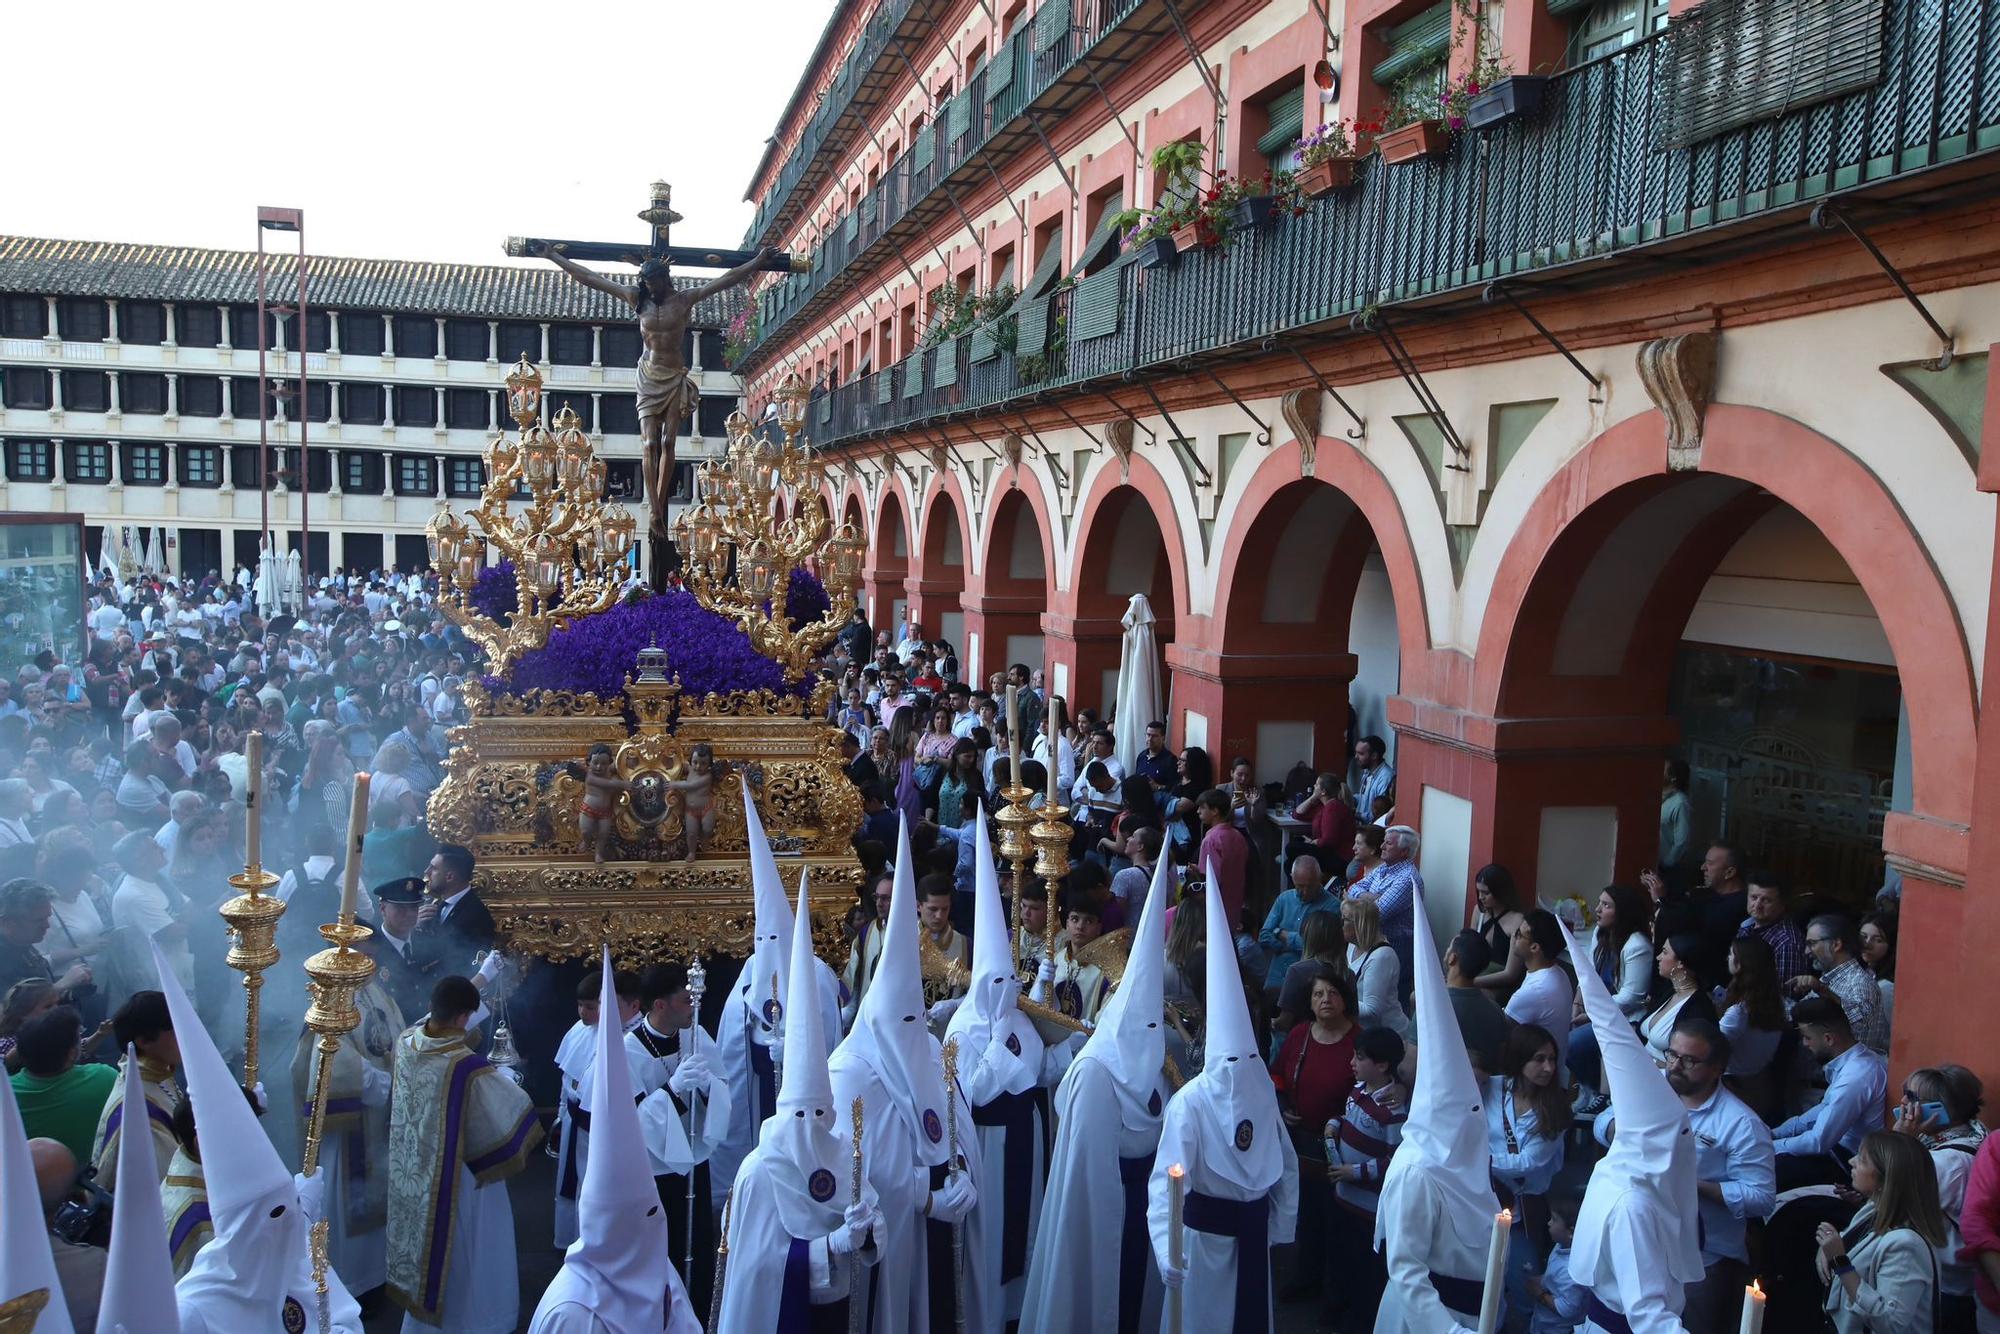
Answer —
(667, 392)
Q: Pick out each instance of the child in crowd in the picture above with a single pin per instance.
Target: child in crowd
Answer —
(1558, 1299)
(1359, 1144)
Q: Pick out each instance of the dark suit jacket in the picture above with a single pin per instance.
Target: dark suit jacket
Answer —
(448, 945)
(408, 981)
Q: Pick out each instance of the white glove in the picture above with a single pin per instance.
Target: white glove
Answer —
(375, 1086)
(490, 966)
(257, 1095)
(942, 1012)
(312, 1195)
(951, 1202)
(691, 1075)
(857, 1233)
(1172, 1276)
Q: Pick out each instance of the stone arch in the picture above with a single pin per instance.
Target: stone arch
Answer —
(1128, 541)
(887, 568)
(936, 582)
(1012, 586)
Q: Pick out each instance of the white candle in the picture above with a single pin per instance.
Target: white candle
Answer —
(253, 828)
(1753, 1309)
(1014, 730)
(1176, 1251)
(357, 826)
(1054, 739)
(1496, 1272)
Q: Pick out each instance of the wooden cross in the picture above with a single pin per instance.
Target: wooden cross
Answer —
(659, 217)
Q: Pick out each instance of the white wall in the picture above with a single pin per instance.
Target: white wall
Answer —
(1280, 745)
(1576, 850)
(1371, 638)
(1446, 859)
(1784, 589)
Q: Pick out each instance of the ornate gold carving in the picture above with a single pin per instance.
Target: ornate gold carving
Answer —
(1679, 376)
(1301, 409)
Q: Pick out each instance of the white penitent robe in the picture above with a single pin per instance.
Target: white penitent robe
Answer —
(1005, 1220)
(770, 1272)
(1419, 1240)
(1208, 1297)
(744, 1063)
(1636, 1233)
(1092, 1253)
(573, 1060)
(890, 1158)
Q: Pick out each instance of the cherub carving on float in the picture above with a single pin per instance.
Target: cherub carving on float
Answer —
(601, 790)
(698, 798)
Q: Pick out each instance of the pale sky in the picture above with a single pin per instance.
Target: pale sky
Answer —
(424, 129)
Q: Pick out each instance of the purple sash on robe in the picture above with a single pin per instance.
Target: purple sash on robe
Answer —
(153, 1111)
(1595, 1311)
(1014, 1113)
(1248, 1224)
(767, 1081)
(454, 1127)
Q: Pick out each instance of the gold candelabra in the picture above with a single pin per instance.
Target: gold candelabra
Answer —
(1015, 819)
(568, 546)
(740, 557)
(1051, 834)
(252, 916)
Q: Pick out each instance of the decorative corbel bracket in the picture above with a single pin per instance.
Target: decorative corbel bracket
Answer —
(1301, 410)
(1679, 376)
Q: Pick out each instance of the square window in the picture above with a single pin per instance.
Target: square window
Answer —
(89, 461)
(30, 461)
(145, 465)
(360, 470)
(464, 477)
(197, 326)
(200, 395)
(416, 475)
(361, 403)
(416, 405)
(361, 333)
(83, 320)
(24, 317)
(143, 322)
(140, 392)
(569, 344)
(466, 409)
(25, 387)
(416, 336)
(518, 339)
(465, 340)
(201, 465)
(86, 391)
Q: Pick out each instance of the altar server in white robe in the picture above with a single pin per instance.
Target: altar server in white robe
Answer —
(1108, 1110)
(27, 1262)
(797, 1236)
(139, 1275)
(1003, 1068)
(1434, 1223)
(574, 1055)
(257, 1273)
(616, 1277)
(1638, 1243)
(749, 1035)
(894, 1065)
(1242, 1177)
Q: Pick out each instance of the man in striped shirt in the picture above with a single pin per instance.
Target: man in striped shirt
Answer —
(1359, 1144)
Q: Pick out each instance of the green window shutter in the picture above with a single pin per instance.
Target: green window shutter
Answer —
(825, 413)
(1094, 309)
(1033, 334)
(1103, 243)
(885, 387)
(1287, 118)
(1558, 8)
(867, 208)
(958, 117)
(1047, 269)
(947, 363)
(985, 344)
(1052, 23)
(1001, 72)
(922, 150)
(1423, 40)
(849, 226)
(913, 376)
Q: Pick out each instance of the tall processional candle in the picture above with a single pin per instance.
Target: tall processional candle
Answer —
(1054, 742)
(1176, 1252)
(1014, 730)
(253, 829)
(1753, 1310)
(357, 827)
(1496, 1272)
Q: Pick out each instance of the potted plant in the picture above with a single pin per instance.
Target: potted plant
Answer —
(1497, 95)
(1326, 156)
(1415, 122)
(1148, 235)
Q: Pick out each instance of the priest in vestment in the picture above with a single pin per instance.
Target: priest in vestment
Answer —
(139, 1274)
(1435, 1220)
(680, 1117)
(1108, 1110)
(1638, 1238)
(891, 1062)
(353, 1154)
(864, 956)
(749, 1034)
(184, 1195)
(144, 1023)
(1224, 1130)
(257, 1273)
(1002, 1065)
(799, 1242)
(615, 1277)
(458, 1128)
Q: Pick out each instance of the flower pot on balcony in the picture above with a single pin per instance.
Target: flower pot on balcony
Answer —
(1253, 210)
(1195, 236)
(1409, 143)
(1158, 253)
(1323, 178)
(1512, 98)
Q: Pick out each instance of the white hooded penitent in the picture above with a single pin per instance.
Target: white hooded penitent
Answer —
(139, 1276)
(990, 1012)
(26, 1264)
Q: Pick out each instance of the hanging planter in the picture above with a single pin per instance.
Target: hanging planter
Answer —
(1513, 98)
(1325, 176)
(1412, 142)
(1194, 236)
(1253, 210)
(1157, 253)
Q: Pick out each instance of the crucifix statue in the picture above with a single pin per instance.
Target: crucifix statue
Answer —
(667, 392)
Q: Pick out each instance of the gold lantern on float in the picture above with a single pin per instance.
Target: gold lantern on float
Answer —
(569, 546)
(740, 557)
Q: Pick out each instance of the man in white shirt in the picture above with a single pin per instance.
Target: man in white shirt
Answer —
(141, 904)
(182, 808)
(1814, 1147)
(1546, 998)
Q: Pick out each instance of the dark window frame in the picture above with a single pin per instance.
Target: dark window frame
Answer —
(416, 475)
(145, 463)
(88, 462)
(193, 460)
(31, 460)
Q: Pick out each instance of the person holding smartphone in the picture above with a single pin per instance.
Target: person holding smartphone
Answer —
(1938, 1110)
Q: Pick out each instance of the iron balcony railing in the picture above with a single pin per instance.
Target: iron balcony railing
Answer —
(1586, 179)
(1034, 58)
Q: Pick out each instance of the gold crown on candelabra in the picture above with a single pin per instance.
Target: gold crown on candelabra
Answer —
(568, 546)
(740, 556)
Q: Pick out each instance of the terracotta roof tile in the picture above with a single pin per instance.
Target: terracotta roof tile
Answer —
(139, 272)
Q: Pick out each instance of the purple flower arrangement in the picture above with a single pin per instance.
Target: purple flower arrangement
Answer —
(707, 652)
(494, 593)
